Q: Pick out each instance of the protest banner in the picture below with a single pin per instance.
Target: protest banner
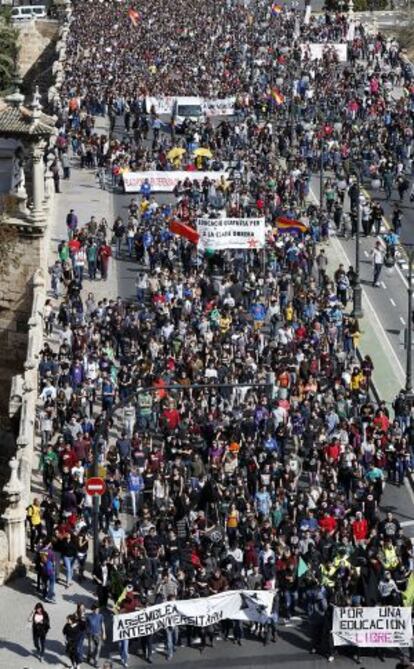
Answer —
(316, 51)
(231, 233)
(210, 106)
(247, 605)
(384, 626)
(164, 182)
(219, 106)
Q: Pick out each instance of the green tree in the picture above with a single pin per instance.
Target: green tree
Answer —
(8, 51)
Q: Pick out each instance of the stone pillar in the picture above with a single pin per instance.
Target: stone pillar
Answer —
(38, 179)
(14, 518)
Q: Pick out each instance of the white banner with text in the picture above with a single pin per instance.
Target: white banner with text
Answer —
(316, 51)
(247, 605)
(164, 182)
(366, 626)
(231, 233)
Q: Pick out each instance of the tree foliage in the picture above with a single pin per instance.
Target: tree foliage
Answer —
(10, 254)
(8, 51)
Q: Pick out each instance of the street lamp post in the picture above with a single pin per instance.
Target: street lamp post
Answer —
(408, 367)
(357, 290)
(321, 176)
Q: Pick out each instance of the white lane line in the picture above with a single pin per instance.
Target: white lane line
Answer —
(392, 302)
(409, 489)
(407, 523)
(402, 320)
(383, 285)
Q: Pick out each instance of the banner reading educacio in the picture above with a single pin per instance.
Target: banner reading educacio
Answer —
(164, 182)
(231, 233)
(387, 626)
(252, 605)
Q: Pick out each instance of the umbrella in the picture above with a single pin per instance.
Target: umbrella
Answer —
(206, 153)
(175, 152)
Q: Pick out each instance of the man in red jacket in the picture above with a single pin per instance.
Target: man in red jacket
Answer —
(359, 528)
(327, 523)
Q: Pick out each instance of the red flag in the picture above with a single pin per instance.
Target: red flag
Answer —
(134, 16)
(183, 230)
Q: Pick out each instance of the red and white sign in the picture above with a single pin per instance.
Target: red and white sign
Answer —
(95, 486)
(165, 182)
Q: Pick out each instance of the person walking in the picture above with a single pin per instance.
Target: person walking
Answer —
(72, 632)
(71, 224)
(377, 255)
(40, 628)
(95, 630)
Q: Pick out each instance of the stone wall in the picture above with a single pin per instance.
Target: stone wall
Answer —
(34, 39)
(15, 494)
(16, 295)
(22, 297)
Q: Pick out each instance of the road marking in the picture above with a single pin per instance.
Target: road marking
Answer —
(383, 285)
(392, 302)
(402, 320)
(407, 523)
(409, 490)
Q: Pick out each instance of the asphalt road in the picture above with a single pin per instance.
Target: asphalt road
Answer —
(390, 300)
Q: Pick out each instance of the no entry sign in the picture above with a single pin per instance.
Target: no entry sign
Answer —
(95, 486)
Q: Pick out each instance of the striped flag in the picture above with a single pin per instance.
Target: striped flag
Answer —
(276, 9)
(277, 96)
(291, 225)
(133, 16)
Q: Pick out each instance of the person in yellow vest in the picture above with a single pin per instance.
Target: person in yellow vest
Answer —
(388, 556)
(289, 313)
(34, 518)
(328, 575)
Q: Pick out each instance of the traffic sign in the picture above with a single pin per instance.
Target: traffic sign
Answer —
(95, 486)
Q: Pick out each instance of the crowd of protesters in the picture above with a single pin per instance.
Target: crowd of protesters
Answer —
(227, 406)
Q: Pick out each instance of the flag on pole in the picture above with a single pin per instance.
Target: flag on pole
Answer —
(184, 230)
(291, 225)
(302, 567)
(133, 16)
(277, 96)
(276, 9)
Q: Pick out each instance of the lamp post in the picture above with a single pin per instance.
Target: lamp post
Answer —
(321, 176)
(407, 241)
(357, 290)
(408, 367)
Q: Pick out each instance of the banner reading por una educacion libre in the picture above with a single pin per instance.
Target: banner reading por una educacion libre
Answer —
(247, 605)
(386, 626)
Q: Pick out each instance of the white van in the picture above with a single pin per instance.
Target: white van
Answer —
(188, 108)
(28, 12)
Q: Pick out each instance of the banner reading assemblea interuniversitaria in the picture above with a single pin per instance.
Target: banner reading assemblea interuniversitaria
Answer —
(386, 626)
(253, 605)
(231, 233)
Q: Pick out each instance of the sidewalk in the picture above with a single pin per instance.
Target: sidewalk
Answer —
(18, 598)
(82, 193)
